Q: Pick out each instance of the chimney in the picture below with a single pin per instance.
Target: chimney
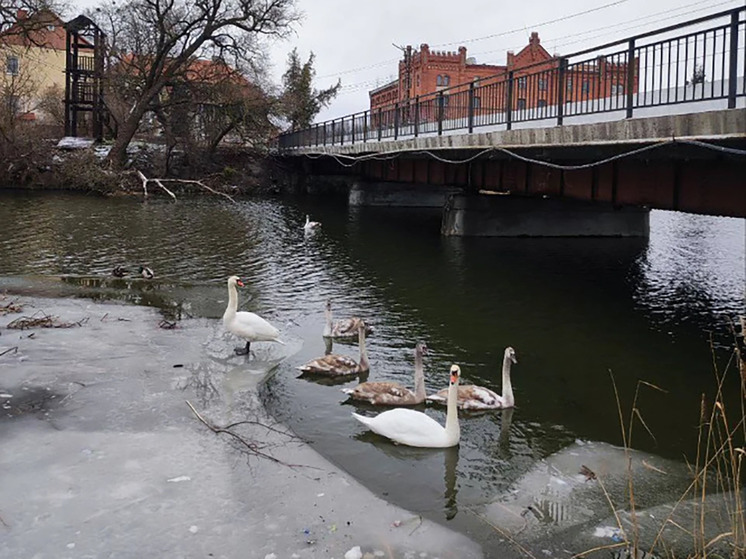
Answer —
(425, 50)
(511, 59)
(534, 40)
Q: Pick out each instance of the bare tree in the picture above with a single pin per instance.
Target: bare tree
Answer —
(15, 20)
(153, 42)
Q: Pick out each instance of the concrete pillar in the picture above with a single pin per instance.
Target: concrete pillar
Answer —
(395, 194)
(513, 216)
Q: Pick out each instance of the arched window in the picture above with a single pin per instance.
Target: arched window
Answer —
(439, 80)
(446, 80)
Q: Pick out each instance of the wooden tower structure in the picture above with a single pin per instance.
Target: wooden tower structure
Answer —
(84, 73)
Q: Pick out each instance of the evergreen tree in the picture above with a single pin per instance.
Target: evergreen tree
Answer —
(300, 102)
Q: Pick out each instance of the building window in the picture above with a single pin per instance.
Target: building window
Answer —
(446, 80)
(522, 82)
(585, 87)
(418, 80)
(542, 84)
(542, 103)
(439, 80)
(521, 104)
(569, 84)
(477, 102)
(617, 89)
(445, 100)
(11, 65)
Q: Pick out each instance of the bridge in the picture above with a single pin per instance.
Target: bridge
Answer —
(583, 145)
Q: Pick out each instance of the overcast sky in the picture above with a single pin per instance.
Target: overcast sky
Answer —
(353, 40)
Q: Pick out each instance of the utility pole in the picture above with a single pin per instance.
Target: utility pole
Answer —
(405, 97)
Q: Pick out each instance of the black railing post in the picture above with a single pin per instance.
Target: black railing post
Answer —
(471, 107)
(353, 128)
(365, 126)
(396, 121)
(630, 77)
(342, 131)
(561, 90)
(416, 116)
(733, 62)
(323, 136)
(334, 136)
(380, 124)
(441, 101)
(317, 134)
(509, 102)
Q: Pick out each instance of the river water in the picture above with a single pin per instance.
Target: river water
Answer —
(577, 311)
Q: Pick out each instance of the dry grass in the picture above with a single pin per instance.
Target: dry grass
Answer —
(718, 469)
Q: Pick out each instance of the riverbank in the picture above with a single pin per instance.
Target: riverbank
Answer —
(102, 456)
(232, 170)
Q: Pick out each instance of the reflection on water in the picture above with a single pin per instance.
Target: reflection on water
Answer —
(574, 310)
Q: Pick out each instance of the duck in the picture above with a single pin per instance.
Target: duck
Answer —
(247, 325)
(311, 225)
(415, 428)
(335, 365)
(146, 272)
(343, 328)
(119, 272)
(471, 397)
(393, 393)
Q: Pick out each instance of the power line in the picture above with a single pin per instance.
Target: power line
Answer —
(522, 29)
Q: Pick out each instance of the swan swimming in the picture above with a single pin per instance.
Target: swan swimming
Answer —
(414, 428)
(342, 328)
(393, 393)
(335, 365)
(471, 397)
(311, 226)
(247, 325)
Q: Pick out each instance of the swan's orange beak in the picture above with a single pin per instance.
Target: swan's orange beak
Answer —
(239, 283)
(454, 378)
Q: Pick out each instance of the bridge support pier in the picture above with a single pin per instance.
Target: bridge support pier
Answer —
(397, 194)
(512, 216)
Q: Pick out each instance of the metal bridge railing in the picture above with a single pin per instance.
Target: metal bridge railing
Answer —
(700, 60)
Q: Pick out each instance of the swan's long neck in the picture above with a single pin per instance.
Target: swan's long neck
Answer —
(364, 365)
(328, 326)
(507, 387)
(230, 310)
(452, 426)
(419, 377)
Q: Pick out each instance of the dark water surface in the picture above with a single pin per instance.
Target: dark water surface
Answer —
(573, 309)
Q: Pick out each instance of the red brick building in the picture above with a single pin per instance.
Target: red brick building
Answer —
(535, 74)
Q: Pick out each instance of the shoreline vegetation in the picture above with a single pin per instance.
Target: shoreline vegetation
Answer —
(229, 170)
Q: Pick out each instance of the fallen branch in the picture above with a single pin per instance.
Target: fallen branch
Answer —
(43, 321)
(203, 185)
(253, 447)
(13, 349)
(158, 182)
(11, 307)
(145, 180)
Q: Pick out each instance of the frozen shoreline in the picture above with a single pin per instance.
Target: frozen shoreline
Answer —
(101, 456)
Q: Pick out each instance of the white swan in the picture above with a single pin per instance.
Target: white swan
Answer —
(334, 365)
(393, 393)
(246, 325)
(414, 428)
(311, 225)
(343, 328)
(472, 397)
